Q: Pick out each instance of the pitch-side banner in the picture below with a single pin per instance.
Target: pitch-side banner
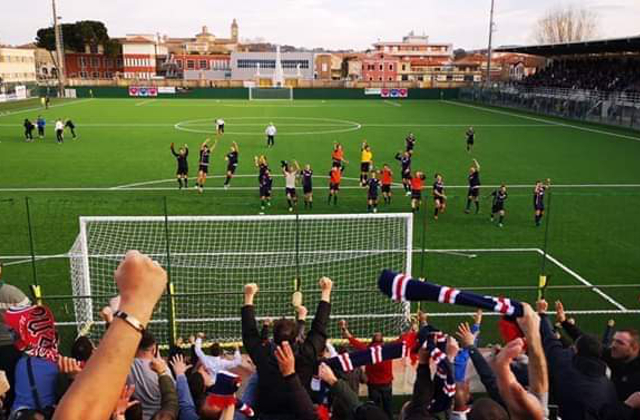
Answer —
(394, 93)
(143, 91)
(166, 90)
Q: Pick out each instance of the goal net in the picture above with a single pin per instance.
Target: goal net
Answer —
(210, 258)
(260, 93)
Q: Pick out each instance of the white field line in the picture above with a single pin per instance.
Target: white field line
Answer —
(44, 110)
(392, 103)
(583, 281)
(550, 122)
(145, 102)
(140, 186)
(351, 124)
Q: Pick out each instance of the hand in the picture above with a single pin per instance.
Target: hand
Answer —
(200, 335)
(611, 323)
(422, 318)
(69, 365)
(530, 322)
(192, 339)
(250, 291)
(123, 402)
(461, 397)
(106, 314)
(560, 315)
(634, 400)
(302, 312)
(342, 324)
(4, 384)
(286, 359)
(512, 350)
(452, 348)
(477, 318)
(267, 322)
(172, 145)
(467, 338)
(325, 284)
(141, 282)
(326, 374)
(542, 306)
(178, 364)
(159, 366)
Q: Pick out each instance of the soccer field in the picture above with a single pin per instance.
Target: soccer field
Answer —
(121, 165)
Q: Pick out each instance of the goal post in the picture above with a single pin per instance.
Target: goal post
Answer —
(270, 93)
(212, 257)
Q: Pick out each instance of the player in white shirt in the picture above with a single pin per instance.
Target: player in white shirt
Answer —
(220, 126)
(59, 131)
(216, 363)
(271, 134)
(290, 174)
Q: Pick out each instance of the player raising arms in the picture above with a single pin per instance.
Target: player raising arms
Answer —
(262, 165)
(203, 164)
(337, 156)
(366, 163)
(386, 176)
(471, 137)
(372, 194)
(538, 199)
(474, 187)
(417, 185)
(307, 186)
(335, 176)
(232, 162)
(266, 183)
(410, 143)
(499, 197)
(182, 172)
(438, 196)
(290, 173)
(405, 168)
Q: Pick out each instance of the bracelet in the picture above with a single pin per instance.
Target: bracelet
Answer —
(131, 320)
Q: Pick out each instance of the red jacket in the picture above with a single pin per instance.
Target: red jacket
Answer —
(378, 374)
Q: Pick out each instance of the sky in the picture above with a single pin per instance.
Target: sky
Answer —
(332, 24)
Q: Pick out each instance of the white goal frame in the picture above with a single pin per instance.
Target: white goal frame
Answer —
(79, 256)
(273, 89)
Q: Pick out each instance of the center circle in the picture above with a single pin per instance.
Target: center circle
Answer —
(286, 126)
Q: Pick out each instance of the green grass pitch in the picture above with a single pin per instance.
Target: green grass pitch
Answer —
(594, 231)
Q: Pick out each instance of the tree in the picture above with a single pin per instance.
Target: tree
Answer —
(459, 53)
(568, 24)
(75, 36)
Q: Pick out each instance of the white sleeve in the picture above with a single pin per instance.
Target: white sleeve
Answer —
(224, 364)
(203, 357)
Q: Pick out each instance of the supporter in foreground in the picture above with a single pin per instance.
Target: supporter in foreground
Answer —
(94, 393)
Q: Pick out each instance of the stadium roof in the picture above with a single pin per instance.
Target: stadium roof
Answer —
(601, 46)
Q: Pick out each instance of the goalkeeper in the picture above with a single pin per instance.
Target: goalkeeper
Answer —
(273, 399)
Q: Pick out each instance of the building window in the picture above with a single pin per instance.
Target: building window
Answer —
(203, 64)
(95, 62)
(119, 62)
(370, 78)
(82, 62)
(108, 62)
(381, 67)
(191, 65)
(179, 62)
(391, 79)
(108, 75)
(95, 75)
(83, 74)
(390, 67)
(380, 79)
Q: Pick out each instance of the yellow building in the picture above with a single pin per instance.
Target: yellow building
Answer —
(17, 65)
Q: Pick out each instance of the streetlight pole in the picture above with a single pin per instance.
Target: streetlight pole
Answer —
(59, 50)
(488, 79)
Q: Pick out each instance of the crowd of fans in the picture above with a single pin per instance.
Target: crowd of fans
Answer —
(606, 75)
(297, 374)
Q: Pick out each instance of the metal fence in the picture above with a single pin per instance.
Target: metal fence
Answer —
(611, 108)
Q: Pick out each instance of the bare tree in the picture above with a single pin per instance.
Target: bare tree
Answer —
(568, 24)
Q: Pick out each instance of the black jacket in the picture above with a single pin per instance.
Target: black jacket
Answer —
(274, 396)
(579, 384)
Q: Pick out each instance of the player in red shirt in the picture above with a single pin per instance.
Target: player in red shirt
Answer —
(335, 176)
(386, 176)
(337, 156)
(417, 185)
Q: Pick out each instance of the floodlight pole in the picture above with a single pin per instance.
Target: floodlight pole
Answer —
(488, 81)
(57, 30)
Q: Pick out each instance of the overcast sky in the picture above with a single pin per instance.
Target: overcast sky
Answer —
(334, 24)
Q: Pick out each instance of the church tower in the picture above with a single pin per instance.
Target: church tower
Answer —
(234, 31)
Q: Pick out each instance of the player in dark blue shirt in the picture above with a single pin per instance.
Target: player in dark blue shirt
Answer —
(405, 170)
(203, 164)
(232, 163)
(474, 187)
(539, 192)
(28, 130)
(499, 198)
(373, 185)
(182, 173)
(410, 143)
(438, 196)
(41, 124)
(266, 184)
(471, 137)
(307, 185)
(71, 126)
